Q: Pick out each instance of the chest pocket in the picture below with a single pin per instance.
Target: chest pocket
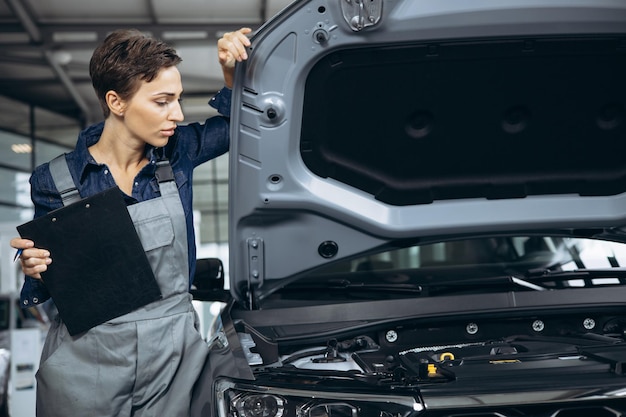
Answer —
(153, 224)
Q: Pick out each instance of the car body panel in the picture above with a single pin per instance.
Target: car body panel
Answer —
(427, 213)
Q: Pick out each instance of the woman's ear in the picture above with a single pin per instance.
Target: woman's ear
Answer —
(116, 104)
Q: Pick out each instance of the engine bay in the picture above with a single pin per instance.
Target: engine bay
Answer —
(481, 348)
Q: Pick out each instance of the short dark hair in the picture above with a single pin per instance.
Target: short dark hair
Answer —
(124, 58)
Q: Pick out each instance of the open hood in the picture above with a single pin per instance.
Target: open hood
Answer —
(358, 124)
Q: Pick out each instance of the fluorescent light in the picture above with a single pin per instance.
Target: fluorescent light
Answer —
(21, 148)
(75, 36)
(185, 35)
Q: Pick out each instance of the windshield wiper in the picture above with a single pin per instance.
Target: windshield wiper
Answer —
(444, 285)
(429, 285)
(527, 284)
(420, 287)
(584, 277)
(347, 285)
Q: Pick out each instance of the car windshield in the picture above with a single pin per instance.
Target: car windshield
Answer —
(523, 253)
(521, 263)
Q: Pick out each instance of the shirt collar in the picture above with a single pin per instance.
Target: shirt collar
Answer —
(91, 136)
(86, 138)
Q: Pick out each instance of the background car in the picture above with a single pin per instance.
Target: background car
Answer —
(427, 213)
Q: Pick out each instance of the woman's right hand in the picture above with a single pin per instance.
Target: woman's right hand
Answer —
(34, 260)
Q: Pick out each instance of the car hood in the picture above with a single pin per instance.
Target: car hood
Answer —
(359, 124)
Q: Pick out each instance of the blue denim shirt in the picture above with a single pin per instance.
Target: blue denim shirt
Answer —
(189, 147)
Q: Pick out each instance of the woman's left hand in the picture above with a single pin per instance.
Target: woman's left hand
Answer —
(231, 48)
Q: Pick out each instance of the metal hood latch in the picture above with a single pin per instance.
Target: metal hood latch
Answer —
(361, 13)
(256, 265)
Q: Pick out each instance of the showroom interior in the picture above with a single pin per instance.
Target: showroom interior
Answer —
(46, 98)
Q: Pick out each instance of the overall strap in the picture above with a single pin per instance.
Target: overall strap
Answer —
(165, 177)
(63, 180)
(164, 171)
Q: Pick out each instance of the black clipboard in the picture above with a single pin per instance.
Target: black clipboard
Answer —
(99, 268)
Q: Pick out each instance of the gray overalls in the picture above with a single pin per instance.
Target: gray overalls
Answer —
(145, 362)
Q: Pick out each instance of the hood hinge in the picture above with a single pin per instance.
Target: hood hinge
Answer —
(360, 14)
(256, 266)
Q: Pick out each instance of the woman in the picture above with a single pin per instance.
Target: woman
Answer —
(144, 362)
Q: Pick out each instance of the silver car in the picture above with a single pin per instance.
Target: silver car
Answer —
(427, 213)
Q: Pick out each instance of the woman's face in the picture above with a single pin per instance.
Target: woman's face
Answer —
(154, 110)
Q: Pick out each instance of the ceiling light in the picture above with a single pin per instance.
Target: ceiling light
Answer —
(21, 148)
(62, 57)
(185, 35)
(75, 36)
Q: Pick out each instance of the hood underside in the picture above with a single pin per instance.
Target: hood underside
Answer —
(402, 120)
(505, 118)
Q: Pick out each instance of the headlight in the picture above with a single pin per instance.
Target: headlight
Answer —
(247, 400)
(258, 405)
